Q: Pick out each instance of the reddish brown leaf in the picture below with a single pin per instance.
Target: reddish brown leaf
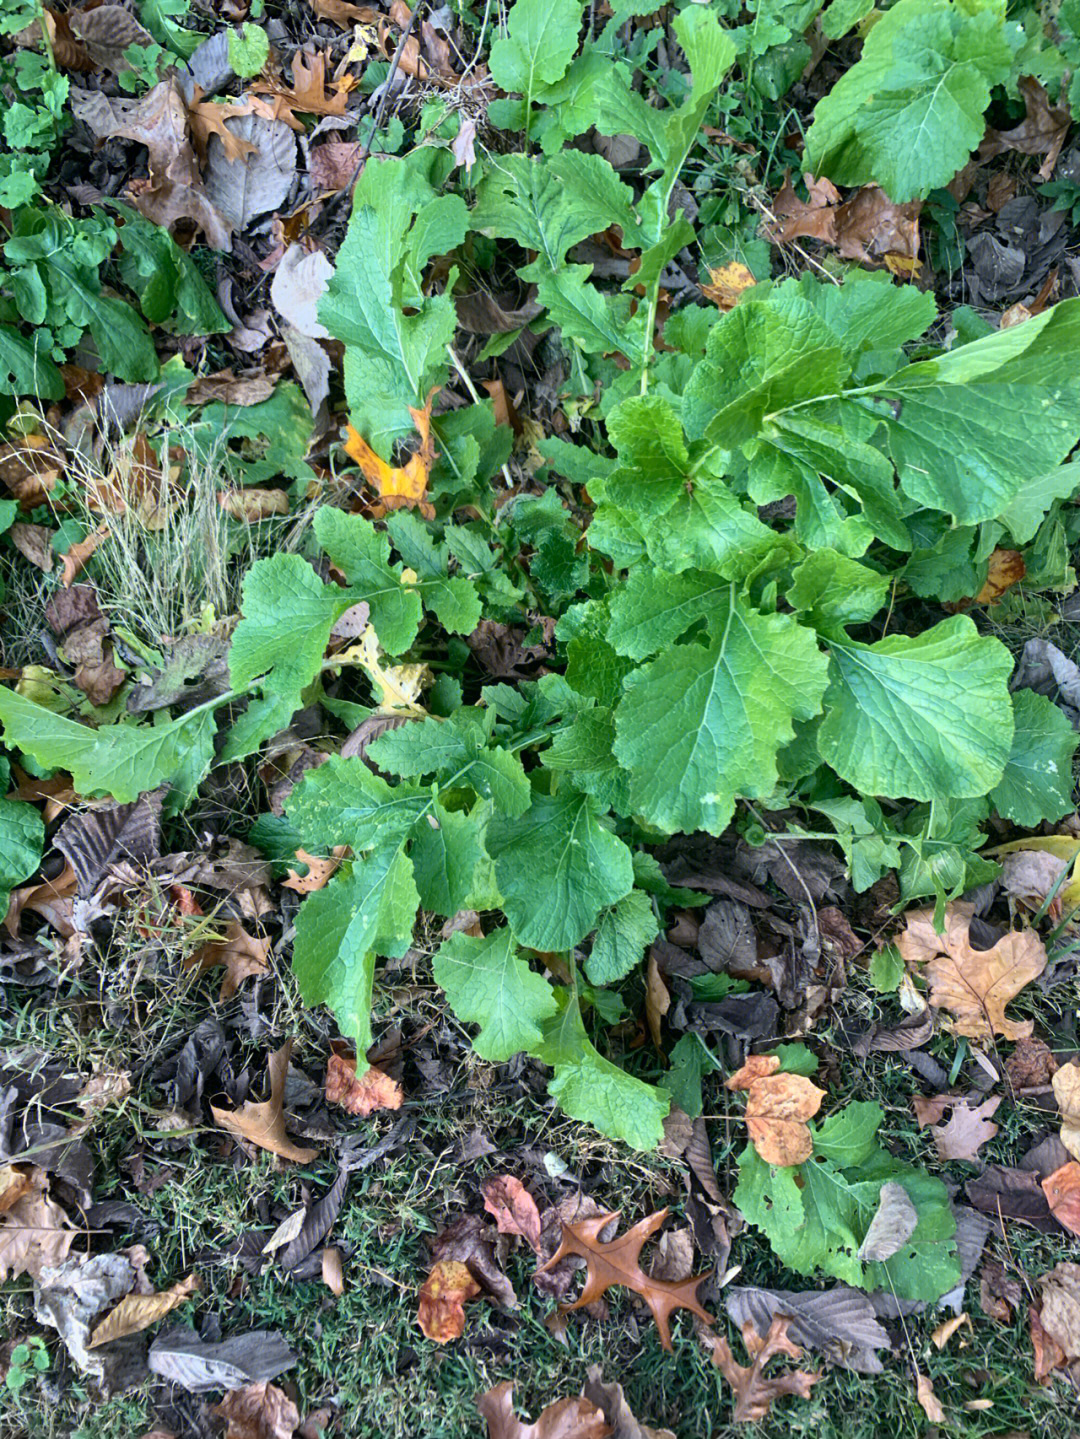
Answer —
(1062, 1190)
(754, 1392)
(513, 1207)
(866, 227)
(1042, 131)
(777, 1109)
(1049, 1354)
(242, 954)
(1059, 1317)
(332, 165)
(441, 1315)
(1006, 568)
(258, 1411)
(617, 1263)
(264, 1124)
(565, 1419)
(207, 117)
(308, 93)
(360, 1094)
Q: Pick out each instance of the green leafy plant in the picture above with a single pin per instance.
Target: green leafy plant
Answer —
(35, 119)
(28, 1358)
(249, 50)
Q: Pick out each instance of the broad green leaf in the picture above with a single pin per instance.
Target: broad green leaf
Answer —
(621, 937)
(25, 368)
(939, 855)
(654, 463)
(445, 851)
(288, 614)
(557, 867)
(151, 255)
(1024, 513)
(600, 323)
(457, 751)
(585, 750)
(540, 40)
(22, 839)
(344, 802)
(249, 50)
(489, 983)
(701, 724)
(453, 600)
(118, 760)
(869, 846)
(690, 1061)
(920, 716)
(832, 590)
(123, 342)
(908, 114)
(653, 609)
(849, 1136)
(591, 1088)
(362, 553)
(1038, 779)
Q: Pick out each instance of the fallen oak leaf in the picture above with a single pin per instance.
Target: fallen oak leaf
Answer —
(398, 488)
(35, 1233)
(308, 93)
(727, 283)
(754, 1392)
(264, 1124)
(616, 1410)
(363, 1093)
(344, 15)
(207, 117)
(967, 1130)
(441, 1314)
(866, 227)
(243, 955)
(564, 1419)
(1042, 131)
(777, 1109)
(136, 1312)
(617, 1263)
(320, 870)
(513, 1207)
(974, 984)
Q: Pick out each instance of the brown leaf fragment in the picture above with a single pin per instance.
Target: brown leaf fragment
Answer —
(895, 1221)
(1006, 568)
(999, 1293)
(564, 1419)
(727, 283)
(1011, 1194)
(1066, 1082)
(136, 1312)
(1042, 131)
(332, 165)
(754, 1393)
(308, 93)
(617, 1263)
(471, 1241)
(867, 226)
(1062, 1190)
(333, 1275)
(360, 1094)
(1029, 875)
(482, 314)
(103, 1091)
(344, 15)
(34, 543)
(944, 1332)
(611, 1401)
(513, 1207)
(657, 999)
(243, 955)
(15, 1181)
(35, 1233)
(1060, 1314)
(1031, 1064)
(928, 1400)
(264, 1124)
(441, 1315)
(967, 1130)
(777, 1109)
(251, 506)
(258, 1411)
(1049, 1354)
(207, 117)
(974, 984)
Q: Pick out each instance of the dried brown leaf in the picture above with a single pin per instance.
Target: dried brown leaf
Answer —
(207, 117)
(264, 1124)
(513, 1207)
(617, 1263)
(754, 1393)
(441, 1315)
(344, 15)
(106, 31)
(777, 1109)
(928, 1400)
(308, 93)
(333, 1275)
(1060, 1314)
(974, 984)
(243, 955)
(1062, 1190)
(1066, 1082)
(564, 1419)
(136, 1312)
(967, 1130)
(1042, 131)
(258, 1411)
(35, 1233)
(320, 870)
(360, 1094)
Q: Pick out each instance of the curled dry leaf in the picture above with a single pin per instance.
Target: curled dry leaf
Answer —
(928, 1400)
(1062, 1190)
(308, 94)
(974, 984)
(77, 556)
(565, 1419)
(258, 1411)
(893, 1224)
(264, 1124)
(1066, 1082)
(1042, 131)
(344, 15)
(1049, 1354)
(333, 1276)
(102, 1091)
(250, 506)
(754, 1392)
(398, 488)
(136, 1312)
(441, 1315)
(866, 227)
(1029, 875)
(617, 1263)
(243, 955)
(363, 1093)
(513, 1208)
(319, 870)
(777, 1109)
(15, 1181)
(35, 1233)
(106, 31)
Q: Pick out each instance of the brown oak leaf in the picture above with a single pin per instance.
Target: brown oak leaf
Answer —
(363, 1093)
(35, 1233)
(513, 1207)
(755, 1393)
(867, 226)
(264, 1124)
(1062, 1190)
(777, 1109)
(398, 488)
(564, 1419)
(308, 93)
(974, 984)
(343, 14)
(967, 1130)
(258, 1411)
(617, 1263)
(243, 955)
(441, 1314)
(1042, 131)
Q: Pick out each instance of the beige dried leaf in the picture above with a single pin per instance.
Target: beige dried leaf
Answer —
(35, 1233)
(1066, 1082)
(264, 1124)
(243, 955)
(777, 1109)
(974, 984)
(136, 1312)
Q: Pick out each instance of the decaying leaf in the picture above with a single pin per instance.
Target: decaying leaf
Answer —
(840, 1321)
(441, 1315)
(1062, 1190)
(360, 1093)
(513, 1207)
(1066, 1082)
(320, 870)
(1049, 1354)
(1029, 875)
(343, 14)
(754, 1392)
(243, 955)
(616, 1411)
(727, 284)
(564, 1419)
(35, 1233)
(974, 984)
(136, 1312)
(398, 488)
(617, 1263)
(866, 227)
(1006, 568)
(777, 1109)
(250, 506)
(1042, 131)
(103, 1091)
(264, 1124)
(895, 1221)
(928, 1400)
(258, 1411)
(308, 93)
(15, 1181)
(333, 1275)
(207, 117)
(1060, 1312)
(968, 1129)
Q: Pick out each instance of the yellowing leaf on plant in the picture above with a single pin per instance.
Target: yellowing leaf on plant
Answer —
(973, 984)
(136, 1312)
(1006, 568)
(777, 1109)
(727, 284)
(397, 687)
(398, 488)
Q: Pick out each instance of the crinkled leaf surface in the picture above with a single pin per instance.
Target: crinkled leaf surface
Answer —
(489, 983)
(1037, 783)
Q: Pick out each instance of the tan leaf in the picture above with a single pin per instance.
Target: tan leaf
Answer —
(333, 1275)
(207, 117)
(230, 389)
(1006, 568)
(398, 488)
(895, 1221)
(77, 555)
(441, 1315)
(344, 15)
(319, 870)
(102, 1091)
(564, 1419)
(967, 1130)
(944, 1332)
(250, 506)
(1028, 876)
(308, 93)
(1060, 1315)
(727, 284)
(754, 1392)
(1049, 1354)
(136, 1312)
(34, 542)
(243, 955)
(35, 1233)
(1066, 1082)
(927, 1399)
(15, 1181)
(264, 1124)
(1042, 131)
(866, 227)
(360, 1094)
(106, 31)
(616, 1410)
(657, 999)
(1062, 1190)
(974, 984)
(258, 1411)
(617, 1262)
(513, 1207)
(777, 1109)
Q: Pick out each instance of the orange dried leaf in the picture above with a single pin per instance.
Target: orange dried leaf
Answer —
(727, 284)
(242, 954)
(1006, 569)
(513, 1206)
(441, 1315)
(974, 984)
(1062, 1190)
(1049, 1354)
(617, 1262)
(264, 1124)
(207, 117)
(564, 1419)
(360, 1094)
(927, 1400)
(344, 15)
(74, 562)
(777, 1109)
(308, 94)
(398, 488)
(754, 1392)
(319, 870)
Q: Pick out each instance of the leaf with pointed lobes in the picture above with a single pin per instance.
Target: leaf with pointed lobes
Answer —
(398, 488)
(754, 1393)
